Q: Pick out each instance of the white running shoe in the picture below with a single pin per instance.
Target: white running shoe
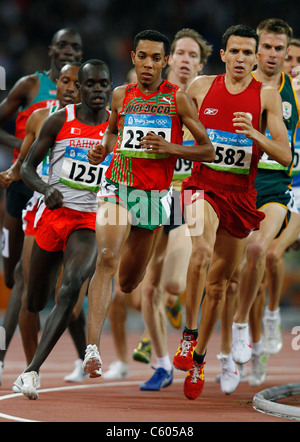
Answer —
(17, 387)
(241, 349)
(28, 383)
(117, 370)
(258, 370)
(272, 340)
(92, 363)
(230, 377)
(77, 374)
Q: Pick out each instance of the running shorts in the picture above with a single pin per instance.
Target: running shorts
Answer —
(236, 210)
(149, 210)
(176, 218)
(53, 227)
(17, 196)
(28, 215)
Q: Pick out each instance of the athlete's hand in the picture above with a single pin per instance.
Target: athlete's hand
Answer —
(155, 144)
(243, 124)
(5, 179)
(53, 198)
(97, 154)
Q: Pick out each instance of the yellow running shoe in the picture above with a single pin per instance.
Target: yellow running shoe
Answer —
(174, 314)
(143, 351)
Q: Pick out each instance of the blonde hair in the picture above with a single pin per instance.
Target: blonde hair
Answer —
(205, 48)
(275, 26)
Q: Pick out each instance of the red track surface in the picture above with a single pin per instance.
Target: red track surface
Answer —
(122, 401)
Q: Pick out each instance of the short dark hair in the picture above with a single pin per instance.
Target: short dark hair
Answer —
(93, 62)
(152, 35)
(239, 31)
(275, 26)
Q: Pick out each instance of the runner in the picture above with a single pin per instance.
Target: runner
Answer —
(29, 93)
(142, 167)
(275, 199)
(228, 201)
(65, 221)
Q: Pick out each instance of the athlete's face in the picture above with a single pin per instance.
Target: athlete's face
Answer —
(95, 87)
(67, 48)
(239, 56)
(292, 61)
(185, 61)
(67, 91)
(272, 52)
(149, 61)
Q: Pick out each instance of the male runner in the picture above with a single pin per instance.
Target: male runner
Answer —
(235, 109)
(65, 220)
(274, 197)
(189, 52)
(149, 115)
(30, 93)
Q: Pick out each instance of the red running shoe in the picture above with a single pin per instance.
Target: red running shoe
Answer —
(194, 381)
(183, 360)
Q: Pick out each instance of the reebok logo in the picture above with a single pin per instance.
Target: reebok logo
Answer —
(211, 112)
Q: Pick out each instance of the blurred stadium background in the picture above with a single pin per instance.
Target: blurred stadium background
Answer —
(108, 28)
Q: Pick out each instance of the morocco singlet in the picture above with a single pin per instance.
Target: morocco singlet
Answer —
(141, 114)
(45, 97)
(228, 182)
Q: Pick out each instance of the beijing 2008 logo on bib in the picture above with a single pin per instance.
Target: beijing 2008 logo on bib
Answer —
(287, 110)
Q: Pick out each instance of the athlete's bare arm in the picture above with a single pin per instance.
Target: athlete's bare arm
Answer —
(278, 147)
(37, 152)
(33, 127)
(24, 91)
(98, 153)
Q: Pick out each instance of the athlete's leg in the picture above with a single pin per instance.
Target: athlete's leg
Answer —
(29, 323)
(202, 251)
(255, 263)
(228, 253)
(229, 311)
(257, 311)
(111, 237)
(11, 315)
(275, 260)
(152, 302)
(78, 260)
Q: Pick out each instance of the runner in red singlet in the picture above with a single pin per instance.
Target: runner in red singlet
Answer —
(146, 120)
(66, 217)
(235, 109)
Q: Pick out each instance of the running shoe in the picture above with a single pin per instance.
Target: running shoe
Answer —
(28, 383)
(78, 374)
(92, 363)
(183, 359)
(161, 379)
(17, 387)
(143, 351)
(258, 372)
(117, 370)
(272, 340)
(194, 381)
(241, 349)
(174, 314)
(230, 377)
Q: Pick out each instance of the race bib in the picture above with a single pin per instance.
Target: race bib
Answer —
(296, 168)
(79, 174)
(268, 163)
(137, 126)
(233, 152)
